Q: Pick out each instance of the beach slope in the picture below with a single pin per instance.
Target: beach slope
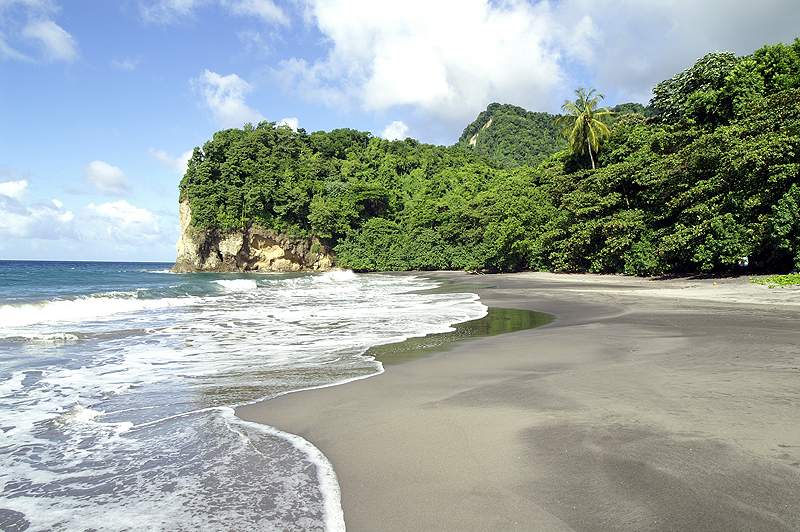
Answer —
(648, 405)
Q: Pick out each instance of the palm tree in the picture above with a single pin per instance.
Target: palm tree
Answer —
(583, 123)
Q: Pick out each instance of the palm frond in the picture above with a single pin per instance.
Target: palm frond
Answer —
(583, 123)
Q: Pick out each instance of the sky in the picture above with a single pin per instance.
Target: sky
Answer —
(102, 101)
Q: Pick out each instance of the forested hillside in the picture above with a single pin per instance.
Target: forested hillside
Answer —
(515, 137)
(512, 136)
(710, 183)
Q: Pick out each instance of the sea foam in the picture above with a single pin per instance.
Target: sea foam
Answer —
(134, 413)
(237, 285)
(79, 308)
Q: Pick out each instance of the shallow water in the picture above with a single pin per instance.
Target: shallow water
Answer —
(118, 383)
(497, 321)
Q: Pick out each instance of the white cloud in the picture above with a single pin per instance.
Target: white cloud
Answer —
(124, 212)
(224, 97)
(28, 24)
(448, 58)
(264, 9)
(582, 40)
(644, 43)
(56, 43)
(107, 179)
(445, 60)
(253, 41)
(395, 131)
(7, 52)
(122, 222)
(170, 11)
(177, 164)
(15, 189)
(45, 228)
(292, 122)
(317, 83)
(126, 65)
(46, 219)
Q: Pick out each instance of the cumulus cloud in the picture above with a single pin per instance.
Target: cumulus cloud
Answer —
(395, 131)
(44, 219)
(121, 222)
(291, 122)
(224, 96)
(17, 190)
(106, 179)
(109, 230)
(447, 58)
(177, 164)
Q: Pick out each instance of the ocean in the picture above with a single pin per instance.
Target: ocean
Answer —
(118, 383)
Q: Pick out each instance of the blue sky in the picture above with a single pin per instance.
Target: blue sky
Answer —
(102, 101)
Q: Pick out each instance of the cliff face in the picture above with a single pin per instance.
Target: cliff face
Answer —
(254, 249)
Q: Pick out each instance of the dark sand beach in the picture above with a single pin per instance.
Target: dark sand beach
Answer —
(648, 405)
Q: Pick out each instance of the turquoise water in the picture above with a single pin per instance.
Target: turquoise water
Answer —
(118, 382)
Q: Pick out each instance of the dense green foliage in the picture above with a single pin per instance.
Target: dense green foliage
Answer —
(512, 136)
(710, 183)
(717, 88)
(388, 205)
(681, 198)
(631, 108)
(772, 281)
(583, 123)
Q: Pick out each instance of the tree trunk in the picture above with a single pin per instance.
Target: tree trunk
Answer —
(589, 144)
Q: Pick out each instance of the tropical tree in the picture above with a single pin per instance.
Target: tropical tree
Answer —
(583, 123)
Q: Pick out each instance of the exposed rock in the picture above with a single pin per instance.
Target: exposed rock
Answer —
(474, 140)
(254, 249)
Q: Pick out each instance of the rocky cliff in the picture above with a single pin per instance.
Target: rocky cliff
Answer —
(254, 249)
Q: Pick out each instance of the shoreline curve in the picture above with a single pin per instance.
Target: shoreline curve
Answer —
(648, 405)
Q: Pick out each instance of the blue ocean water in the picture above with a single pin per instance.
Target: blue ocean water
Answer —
(118, 383)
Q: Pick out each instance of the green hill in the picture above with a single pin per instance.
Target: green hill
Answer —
(512, 136)
(709, 183)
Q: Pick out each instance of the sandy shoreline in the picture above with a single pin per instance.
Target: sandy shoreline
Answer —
(647, 405)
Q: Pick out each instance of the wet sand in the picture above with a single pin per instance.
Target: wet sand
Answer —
(648, 405)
